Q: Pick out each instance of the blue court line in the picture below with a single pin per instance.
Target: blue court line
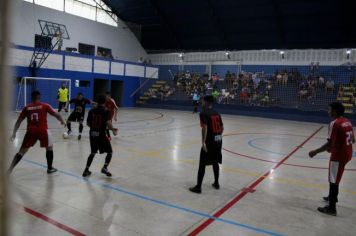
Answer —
(159, 202)
(251, 144)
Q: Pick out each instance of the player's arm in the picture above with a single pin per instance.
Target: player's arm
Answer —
(55, 114)
(116, 108)
(17, 126)
(89, 119)
(323, 148)
(204, 133)
(111, 127)
(59, 118)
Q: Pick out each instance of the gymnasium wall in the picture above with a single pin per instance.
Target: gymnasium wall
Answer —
(74, 66)
(120, 39)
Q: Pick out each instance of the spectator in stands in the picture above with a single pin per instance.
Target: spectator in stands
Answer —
(59, 36)
(329, 86)
(215, 94)
(195, 102)
(321, 81)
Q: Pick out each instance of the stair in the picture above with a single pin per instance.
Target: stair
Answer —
(147, 94)
(345, 96)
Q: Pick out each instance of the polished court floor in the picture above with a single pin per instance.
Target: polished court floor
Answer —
(269, 186)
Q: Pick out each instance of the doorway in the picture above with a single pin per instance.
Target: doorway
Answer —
(101, 86)
(117, 91)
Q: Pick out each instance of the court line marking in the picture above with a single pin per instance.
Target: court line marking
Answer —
(158, 202)
(51, 221)
(252, 186)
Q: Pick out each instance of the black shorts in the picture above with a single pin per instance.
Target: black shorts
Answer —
(61, 105)
(213, 155)
(195, 103)
(76, 117)
(101, 144)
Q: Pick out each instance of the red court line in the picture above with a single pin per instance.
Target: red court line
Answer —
(248, 189)
(287, 164)
(53, 222)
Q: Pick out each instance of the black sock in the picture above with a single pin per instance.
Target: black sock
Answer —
(216, 172)
(69, 126)
(15, 161)
(107, 160)
(81, 128)
(49, 157)
(89, 161)
(334, 192)
(201, 173)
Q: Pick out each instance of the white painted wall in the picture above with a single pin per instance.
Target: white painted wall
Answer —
(332, 57)
(120, 39)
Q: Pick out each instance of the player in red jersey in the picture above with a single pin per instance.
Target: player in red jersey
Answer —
(111, 106)
(37, 129)
(339, 144)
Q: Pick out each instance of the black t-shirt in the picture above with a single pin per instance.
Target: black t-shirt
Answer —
(79, 105)
(97, 121)
(212, 120)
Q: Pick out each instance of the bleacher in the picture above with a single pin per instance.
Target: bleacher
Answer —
(303, 89)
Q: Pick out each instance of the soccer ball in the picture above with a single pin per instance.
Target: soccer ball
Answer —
(65, 135)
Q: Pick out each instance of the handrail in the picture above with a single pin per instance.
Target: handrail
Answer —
(134, 92)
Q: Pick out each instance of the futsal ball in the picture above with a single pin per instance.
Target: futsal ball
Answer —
(65, 135)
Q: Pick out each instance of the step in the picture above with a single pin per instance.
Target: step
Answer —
(144, 98)
(156, 86)
(348, 105)
(347, 88)
(348, 111)
(161, 82)
(343, 99)
(348, 94)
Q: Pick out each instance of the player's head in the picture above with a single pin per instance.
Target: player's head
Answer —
(63, 85)
(80, 96)
(336, 109)
(36, 96)
(101, 99)
(108, 95)
(208, 101)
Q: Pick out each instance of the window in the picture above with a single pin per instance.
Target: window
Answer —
(80, 9)
(84, 8)
(82, 83)
(57, 5)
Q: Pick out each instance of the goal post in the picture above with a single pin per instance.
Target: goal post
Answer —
(48, 87)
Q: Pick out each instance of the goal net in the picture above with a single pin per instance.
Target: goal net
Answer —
(48, 87)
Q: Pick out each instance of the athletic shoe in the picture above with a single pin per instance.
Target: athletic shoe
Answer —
(327, 199)
(216, 185)
(79, 137)
(195, 189)
(327, 210)
(106, 172)
(86, 173)
(52, 170)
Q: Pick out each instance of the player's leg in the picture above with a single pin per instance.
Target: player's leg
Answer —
(49, 157)
(29, 140)
(81, 127)
(46, 141)
(60, 106)
(216, 175)
(17, 158)
(94, 147)
(106, 147)
(87, 172)
(336, 170)
(201, 173)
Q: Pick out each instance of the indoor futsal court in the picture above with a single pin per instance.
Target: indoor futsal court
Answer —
(167, 118)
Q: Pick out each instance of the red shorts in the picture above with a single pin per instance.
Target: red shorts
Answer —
(336, 170)
(32, 136)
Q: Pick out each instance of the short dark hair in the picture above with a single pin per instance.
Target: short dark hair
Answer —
(209, 99)
(80, 94)
(101, 99)
(338, 108)
(35, 94)
(108, 93)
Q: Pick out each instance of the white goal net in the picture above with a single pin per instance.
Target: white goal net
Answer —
(48, 87)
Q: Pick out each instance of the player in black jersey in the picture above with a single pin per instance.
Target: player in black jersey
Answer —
(78, 113)
(210, 154)
(98, 120)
